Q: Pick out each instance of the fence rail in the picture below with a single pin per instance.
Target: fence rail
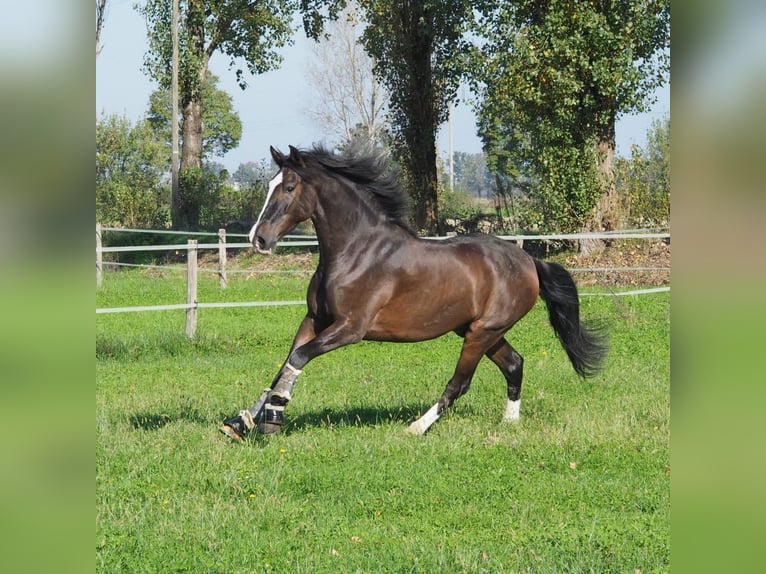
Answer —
(624, 234)
(187, 306)
(192, 248)
(178, 246)
(222, 245)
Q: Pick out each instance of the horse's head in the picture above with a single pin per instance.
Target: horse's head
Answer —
(289, 201)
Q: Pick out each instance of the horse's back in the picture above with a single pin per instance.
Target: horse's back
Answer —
(489, 256)
(437, 286)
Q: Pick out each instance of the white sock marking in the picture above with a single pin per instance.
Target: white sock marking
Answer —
(272, 186)
(421, 425)
(512, 410)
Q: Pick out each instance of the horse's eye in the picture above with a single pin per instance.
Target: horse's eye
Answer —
(289, 188)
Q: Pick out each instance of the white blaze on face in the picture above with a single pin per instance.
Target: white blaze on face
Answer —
(272, 186)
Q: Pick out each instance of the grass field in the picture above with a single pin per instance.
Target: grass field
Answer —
(580, 484)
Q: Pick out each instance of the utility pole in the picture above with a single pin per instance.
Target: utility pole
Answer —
(174, 199)
(451, 155)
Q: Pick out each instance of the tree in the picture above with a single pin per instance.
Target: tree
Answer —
(222, 128)
(419, 49)
(471, 175)
(221, 132)
(351, 102)
(249, 33)
(250, 173)
(251, 180)
(130, 167)
(643, 180)
(557, 75)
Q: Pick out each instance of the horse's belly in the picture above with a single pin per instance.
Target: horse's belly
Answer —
(409, 322)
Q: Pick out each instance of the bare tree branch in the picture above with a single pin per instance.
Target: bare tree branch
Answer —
(351, 103)
(100, 17)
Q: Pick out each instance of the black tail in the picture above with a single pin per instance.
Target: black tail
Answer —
(585, 347)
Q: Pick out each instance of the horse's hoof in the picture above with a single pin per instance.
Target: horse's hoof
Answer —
(234, 428)
(231, 433)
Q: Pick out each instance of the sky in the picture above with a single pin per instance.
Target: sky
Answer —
(272, 108)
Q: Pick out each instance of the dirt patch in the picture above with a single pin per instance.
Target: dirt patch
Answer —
(625, 264)
(248, 259)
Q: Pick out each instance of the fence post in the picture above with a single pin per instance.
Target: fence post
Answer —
(99, 257)
(222, 258)
(191, 287)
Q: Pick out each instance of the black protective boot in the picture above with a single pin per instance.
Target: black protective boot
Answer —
(273, 419)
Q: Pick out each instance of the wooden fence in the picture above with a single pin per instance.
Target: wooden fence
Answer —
(221, 246)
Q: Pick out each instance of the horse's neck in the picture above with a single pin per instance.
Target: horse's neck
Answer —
(346, 222)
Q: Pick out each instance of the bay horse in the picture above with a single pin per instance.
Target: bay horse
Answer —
(377, 280)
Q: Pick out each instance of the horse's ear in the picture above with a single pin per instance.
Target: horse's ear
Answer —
(295, 157)
(277, 155)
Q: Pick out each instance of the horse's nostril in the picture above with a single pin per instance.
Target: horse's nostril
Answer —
(260, 242)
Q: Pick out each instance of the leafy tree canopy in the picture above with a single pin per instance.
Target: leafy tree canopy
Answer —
(249, 33)
(222, 128)
(555, 77)
(420, 51)
(131, 163)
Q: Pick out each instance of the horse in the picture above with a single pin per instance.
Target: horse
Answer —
(376, 280)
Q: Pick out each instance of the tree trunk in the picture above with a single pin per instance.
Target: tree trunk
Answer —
(421, 133)
(191, 125)
(606, 212)
(189, 172)
(191, 149)
(423, 176)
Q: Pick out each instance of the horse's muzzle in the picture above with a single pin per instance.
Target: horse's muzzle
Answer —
(262, 246)
(259, 241)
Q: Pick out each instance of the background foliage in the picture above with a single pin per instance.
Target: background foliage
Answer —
(221, 126)
(554, 78)
(550, 80)
(420, 51)
(643, 180)
(130, 165)
(248, 33)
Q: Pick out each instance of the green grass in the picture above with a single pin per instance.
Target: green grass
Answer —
(580, 484)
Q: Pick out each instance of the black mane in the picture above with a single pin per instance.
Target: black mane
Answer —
(370, 173)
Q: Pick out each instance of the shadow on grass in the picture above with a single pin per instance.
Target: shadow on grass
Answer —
(354, 417)
(324, 418)
(360, 416)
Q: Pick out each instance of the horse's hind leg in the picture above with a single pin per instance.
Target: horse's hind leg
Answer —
(474, 347)
(512, 366)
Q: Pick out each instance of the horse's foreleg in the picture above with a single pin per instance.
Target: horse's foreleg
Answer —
(274, 398)
(237, 426)
(278, 396)
(303, 350)
(511, 364)
(337, 335)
